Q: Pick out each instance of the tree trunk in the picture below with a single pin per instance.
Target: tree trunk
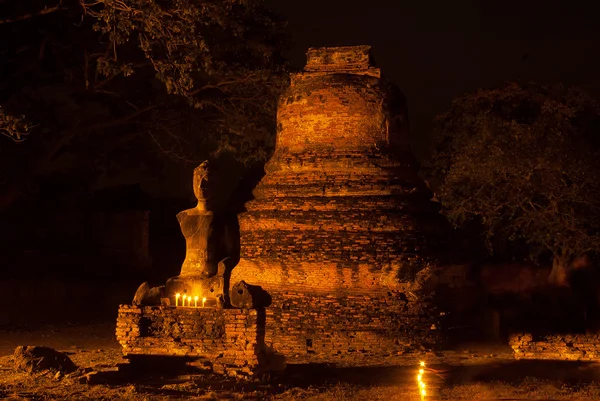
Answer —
(559, 274)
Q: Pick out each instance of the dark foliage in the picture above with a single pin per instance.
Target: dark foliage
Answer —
(99, 86)
(523, 162)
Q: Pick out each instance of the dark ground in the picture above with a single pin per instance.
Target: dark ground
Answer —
(473, 372)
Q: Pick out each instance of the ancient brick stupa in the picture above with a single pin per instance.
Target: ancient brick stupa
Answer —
(337, 229)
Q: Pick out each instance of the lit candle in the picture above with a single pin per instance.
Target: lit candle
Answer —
(177, 298)
(196, 301)
(420, 381)
(184, 297)
(203, 301)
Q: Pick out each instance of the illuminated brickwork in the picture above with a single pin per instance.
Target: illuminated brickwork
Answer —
(341, 224)
(306, 327)
(226, 340)
(566, 347)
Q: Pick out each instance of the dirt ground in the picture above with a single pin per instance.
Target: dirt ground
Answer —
(472, 372)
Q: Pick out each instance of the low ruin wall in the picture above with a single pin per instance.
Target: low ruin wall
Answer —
(298, 327)
(571, 347)
(311, 328)
(229, 341)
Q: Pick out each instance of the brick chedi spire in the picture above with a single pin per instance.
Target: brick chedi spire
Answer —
(338, 226)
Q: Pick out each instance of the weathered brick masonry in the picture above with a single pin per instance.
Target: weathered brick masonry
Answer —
(225, 340)
(577, 347)
(341, 225)
(307, 327)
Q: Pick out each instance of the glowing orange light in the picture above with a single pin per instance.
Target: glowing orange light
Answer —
(420, 381)
(196, 301)
(203, 301)
(177, 298)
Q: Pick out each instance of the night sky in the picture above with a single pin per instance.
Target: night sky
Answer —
(436, 50)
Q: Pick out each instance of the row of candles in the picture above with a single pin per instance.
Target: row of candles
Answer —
(188, 299)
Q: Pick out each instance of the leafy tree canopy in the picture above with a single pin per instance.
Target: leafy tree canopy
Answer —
(523, 161)
(87, 81)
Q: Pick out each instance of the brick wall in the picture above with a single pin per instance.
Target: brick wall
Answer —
(340, 190)
(309, 327)
(338, 111)
(356, 59)
(227, 340)
(578, 347)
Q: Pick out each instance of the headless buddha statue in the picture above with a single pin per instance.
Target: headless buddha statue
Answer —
(206, 269)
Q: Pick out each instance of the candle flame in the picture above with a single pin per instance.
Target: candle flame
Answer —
(420, 381)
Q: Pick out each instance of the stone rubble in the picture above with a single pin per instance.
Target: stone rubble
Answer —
(566, 347)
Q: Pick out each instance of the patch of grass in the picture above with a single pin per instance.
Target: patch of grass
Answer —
(340, 392)
(529, 389)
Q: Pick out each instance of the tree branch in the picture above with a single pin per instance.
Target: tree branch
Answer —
(119, 121)
(58, 7)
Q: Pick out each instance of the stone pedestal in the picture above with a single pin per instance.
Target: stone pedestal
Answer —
(229, 341)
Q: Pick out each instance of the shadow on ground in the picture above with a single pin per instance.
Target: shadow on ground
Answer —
(172, 376)
(514, 372)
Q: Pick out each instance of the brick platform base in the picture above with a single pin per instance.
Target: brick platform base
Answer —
(229, 341)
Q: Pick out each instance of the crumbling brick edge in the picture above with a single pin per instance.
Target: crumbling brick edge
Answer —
(565, 347)
(226, 341)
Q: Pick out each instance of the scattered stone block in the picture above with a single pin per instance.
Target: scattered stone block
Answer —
(35, 359)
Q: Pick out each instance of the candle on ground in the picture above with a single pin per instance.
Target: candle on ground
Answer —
(422, 391)
(184, 297)
(177, 298)
(196, 301)
(203, 301)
